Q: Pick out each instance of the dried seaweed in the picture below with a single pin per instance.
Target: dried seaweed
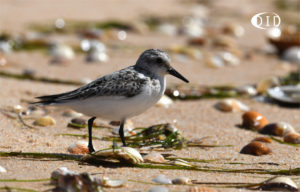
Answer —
(291, 79)
(7, 188)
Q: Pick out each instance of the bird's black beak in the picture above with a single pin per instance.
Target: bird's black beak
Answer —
(173, 72)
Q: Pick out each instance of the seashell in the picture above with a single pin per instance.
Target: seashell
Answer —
(154, 157)
(58, 172)
(265, 84)
(263, 139)
(248, 90)
(285, 41)
(181, 181)
(162, 179)
(2, 169)
(167, 29)
(158, 189)
(274, 33)
(3, 61)
(61, 53)
(214, 62)
(164, 101)
(229, 58)
(45, 121)
(171, 128)
(292, 137)
(60, 23)
(224, 42)
(91, 33)
(128, 128)
(35, 111)
(256, 148)
(279, 184)
(71, 113)
(287, 94)
(127, 154)
(277, 129)
(77, 123)
(181, 162)
(17, 108)
(5, 46)
(233, 29)
(292, 54)
(80, 147)
(200, 189)
(193, 27)
(231, 105)
(254, 120)
(96, 56)
(106, 182)
(197, 41)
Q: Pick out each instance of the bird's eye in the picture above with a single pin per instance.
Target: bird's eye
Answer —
(159, 60)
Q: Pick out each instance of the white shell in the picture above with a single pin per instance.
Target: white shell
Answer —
(182, 163)
(292, 55)
(247, 89)
(215, 61)
(106, 182)
(167, 29)
(71, 113)
(229, 58)
(181, 180)
(2, 169)
(286, 127)
(287, 94)
(273, 184)
(162, 179)
(154, 157)
(60, 171)
(231, 105)
(61, 53)
(158, 189)
(124, 153)
(164, 101)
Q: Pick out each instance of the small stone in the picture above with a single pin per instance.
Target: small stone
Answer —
(263, 139)
(45, 121)
(164, 101)
(71, 113)
(254, 120)
(292, 137)
(2, 169)
(181, 181)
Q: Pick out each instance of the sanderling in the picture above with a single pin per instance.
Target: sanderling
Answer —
(122, 94)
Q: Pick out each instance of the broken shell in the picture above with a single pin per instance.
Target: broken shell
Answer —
(181, 180)
(127, 154)
(265, 84)
(197, 41)
(233, 29)
(154, 157)
(45, 121)
(71, 113)
(292, 137)
(254, 120)
(162, 179)
(181, 162)
(96, 56)
(158, 189)
(224, 42)
(229, 58)
(263, 139)
(279, 184)
(231, 105)
(2, 169)
(35, 111)
(167, 29)
(200, 189)
(164, 101)
(106, 182)
(277, 129)
(256, 148)
(80, 147)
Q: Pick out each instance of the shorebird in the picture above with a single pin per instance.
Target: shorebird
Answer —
(122, 94)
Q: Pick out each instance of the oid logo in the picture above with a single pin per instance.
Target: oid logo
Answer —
(266, 20)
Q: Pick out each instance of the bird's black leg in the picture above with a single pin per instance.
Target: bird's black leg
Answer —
(121, 132)
(90, 125)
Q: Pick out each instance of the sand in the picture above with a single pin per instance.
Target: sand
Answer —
(196, 119)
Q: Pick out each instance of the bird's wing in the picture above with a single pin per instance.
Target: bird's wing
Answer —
(126, 83)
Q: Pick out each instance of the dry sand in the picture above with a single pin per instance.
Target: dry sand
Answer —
(195, 119)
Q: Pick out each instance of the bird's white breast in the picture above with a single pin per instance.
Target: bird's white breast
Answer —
(120, 107)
